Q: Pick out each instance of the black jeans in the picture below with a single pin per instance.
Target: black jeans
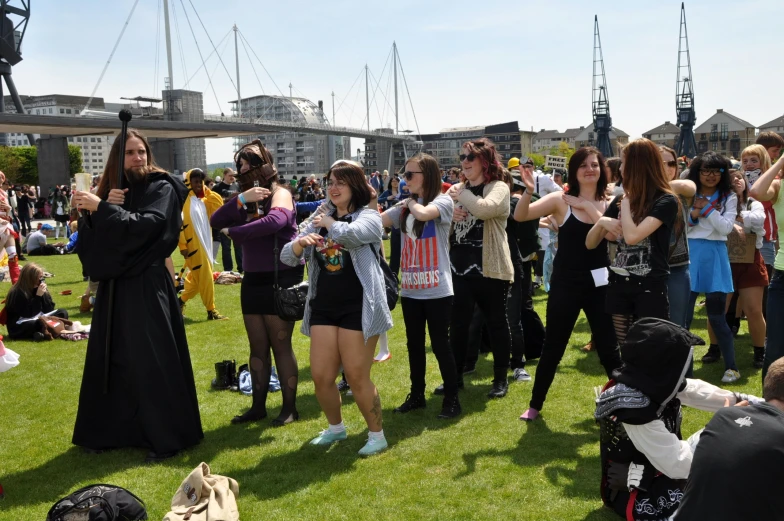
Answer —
(394, 255)
(533, 329)
(514, 314)
(226, 253)
(435, 313)
(24, 224)
(570, 293)
(490, 295)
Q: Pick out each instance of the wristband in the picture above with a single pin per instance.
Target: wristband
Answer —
(241, 199)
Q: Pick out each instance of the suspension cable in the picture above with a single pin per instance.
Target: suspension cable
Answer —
(252, 66)
(210, 56)
(209, 79)
(408, 92)
(228, 75)
(98, 84)
(261, 63)
(157, 52)
(179, 42)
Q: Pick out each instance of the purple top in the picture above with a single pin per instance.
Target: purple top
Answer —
(257, 237)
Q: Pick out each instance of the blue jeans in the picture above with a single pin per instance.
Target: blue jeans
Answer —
(774, 346)
(715, 304)
(679, 293)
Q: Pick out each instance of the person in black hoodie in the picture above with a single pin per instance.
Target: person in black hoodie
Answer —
(645, 463)
(27, 299)
(144, 394)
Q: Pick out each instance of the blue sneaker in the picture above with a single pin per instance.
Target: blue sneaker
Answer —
(373, 446)
(274, 384)
(328, 437)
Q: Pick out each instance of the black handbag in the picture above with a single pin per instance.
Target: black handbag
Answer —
(100, 503)
(390, 280)
(289, 302)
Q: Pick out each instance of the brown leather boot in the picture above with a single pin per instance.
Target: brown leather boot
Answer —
(85, 306)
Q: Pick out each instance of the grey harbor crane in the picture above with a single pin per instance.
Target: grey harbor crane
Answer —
(602, 122)
(684, 95)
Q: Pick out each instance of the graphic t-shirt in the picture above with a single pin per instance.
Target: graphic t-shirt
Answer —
(466, 242)
(649, 257)
(338, 287)
(424, 261)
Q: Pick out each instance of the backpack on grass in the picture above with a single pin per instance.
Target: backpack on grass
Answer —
(99, 503)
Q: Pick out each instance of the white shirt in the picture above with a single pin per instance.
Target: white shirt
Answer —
(664, 450)
(544, 184)
(717, 225)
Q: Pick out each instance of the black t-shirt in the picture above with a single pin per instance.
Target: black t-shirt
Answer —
(23, 205)
(513, 233)
(226, 191)
(738, 467)
(339, 288)
(649, 257)
(466, 242)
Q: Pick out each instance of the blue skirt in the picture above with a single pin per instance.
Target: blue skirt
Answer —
(710, 266)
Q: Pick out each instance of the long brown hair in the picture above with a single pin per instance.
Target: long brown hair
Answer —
(576, 161)
(431, 188)
(109, 179)
(644, 177)
(354, 176)
(29, 279)
(485, 150)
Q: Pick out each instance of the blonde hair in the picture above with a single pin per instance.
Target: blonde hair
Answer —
(74, 226)
(761, 153)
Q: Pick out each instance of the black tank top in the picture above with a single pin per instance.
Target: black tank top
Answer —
(572, 254)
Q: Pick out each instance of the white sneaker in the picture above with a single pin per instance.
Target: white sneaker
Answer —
(521, 375)
(730, 375)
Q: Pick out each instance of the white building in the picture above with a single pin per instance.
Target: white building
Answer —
(95, 149)
(544, 140)
(665, 134)
(724, 133)
(296, 154)
(777, 126)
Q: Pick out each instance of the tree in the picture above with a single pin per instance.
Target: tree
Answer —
(538, 160)
(74, 159)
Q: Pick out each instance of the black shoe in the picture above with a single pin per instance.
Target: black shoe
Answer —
(440, 389)
(156, 457)
(280, 421)
(88, 450)
(713, 354)
(38, 337)
(413, 401)
(499, 390)
(343, 386)
(450, 408)
(759, 357)
(469, 369)
(249, 416)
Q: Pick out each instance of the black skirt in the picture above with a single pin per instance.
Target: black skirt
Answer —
(256, 292)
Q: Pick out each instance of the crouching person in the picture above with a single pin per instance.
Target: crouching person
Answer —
(27, 299)
(645, 462)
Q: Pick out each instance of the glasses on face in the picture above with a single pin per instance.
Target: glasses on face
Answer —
(527, 166)
(671, 164)
(410, 175)
(710, 172)
(340, 185)
(467, 157)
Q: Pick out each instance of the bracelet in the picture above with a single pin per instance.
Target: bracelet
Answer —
(242, 200)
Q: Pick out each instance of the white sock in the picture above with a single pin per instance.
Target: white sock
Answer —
(376, 435)
(337, 429)
(11, 251)
(383, 347)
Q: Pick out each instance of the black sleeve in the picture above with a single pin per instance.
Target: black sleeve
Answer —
(666, 210)
(613, 209)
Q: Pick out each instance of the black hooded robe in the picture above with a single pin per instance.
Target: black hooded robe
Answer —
(151, 401)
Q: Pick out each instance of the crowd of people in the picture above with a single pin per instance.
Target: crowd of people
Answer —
(631, 242)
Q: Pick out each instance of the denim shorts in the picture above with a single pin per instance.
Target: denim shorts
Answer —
(638, 296)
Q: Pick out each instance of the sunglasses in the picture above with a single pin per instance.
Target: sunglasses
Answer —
(410, 175)
(467, 157)
(671, 163)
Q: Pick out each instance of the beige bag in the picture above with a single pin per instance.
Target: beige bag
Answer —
(205, 497)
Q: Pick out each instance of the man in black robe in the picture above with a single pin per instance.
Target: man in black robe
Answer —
(151, 400)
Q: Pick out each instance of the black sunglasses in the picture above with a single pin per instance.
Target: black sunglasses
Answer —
(469, 157)
(410, 175)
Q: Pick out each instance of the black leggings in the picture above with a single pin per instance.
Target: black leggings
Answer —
(265, 332)
(435, 313)
(568, 295)
(490, 295)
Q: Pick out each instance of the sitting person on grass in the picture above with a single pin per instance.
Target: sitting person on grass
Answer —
(37, 245)
(71, 246)
(27, 299)
(645, 463)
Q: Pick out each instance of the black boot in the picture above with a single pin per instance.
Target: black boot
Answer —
(413, 401)
(223, 379)
(440, 389)
(759, 357)
(500, 388)
(450, 408)
(233, 377)
(713, 354)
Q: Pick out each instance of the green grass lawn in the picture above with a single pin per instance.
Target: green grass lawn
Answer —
(485, 465)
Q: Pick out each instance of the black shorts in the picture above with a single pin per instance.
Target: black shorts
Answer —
(256, 292)
(346, 319)
(638, 296)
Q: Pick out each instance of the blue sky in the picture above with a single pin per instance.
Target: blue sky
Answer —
(466, 62)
